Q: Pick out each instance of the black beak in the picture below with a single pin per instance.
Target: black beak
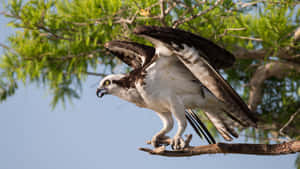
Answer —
(101, 92)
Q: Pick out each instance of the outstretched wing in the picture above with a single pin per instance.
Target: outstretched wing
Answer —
(133, 54)
(137, 56)
(215, 55)
(202, 57)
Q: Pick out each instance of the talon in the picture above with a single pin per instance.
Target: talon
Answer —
(177, 143)
(157, 140)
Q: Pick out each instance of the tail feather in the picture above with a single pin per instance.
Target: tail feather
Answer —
(195, 127)
(223, 124)
(199, 127)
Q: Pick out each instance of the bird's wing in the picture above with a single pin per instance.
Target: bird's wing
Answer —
(223, 124)
(202, 57)
(133, 54)
(199, 126)
(139, 56)
(215, 55)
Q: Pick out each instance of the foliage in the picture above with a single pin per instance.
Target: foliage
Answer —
(58, 42)
(297, 162)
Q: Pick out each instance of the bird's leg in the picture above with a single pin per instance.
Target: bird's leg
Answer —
(178, 111)
(168, 123)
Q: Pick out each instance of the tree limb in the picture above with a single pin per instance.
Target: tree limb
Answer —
(225, 148)
(288, 123)
(245, 37)
(186, 19)
(277, 69)
(254, 3)
(287, 53)
(162, 12)
(4, 46)
(242, 53)
(96, 74)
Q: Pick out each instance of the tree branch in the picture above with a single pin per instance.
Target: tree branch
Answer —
(254, 3)
(96, 74)
(242, 53)
(277, 69)
(52, 33)
(245, 37)
(225, 148)
(181, 21)
(4, 46)
(288, 123)
(162, 12)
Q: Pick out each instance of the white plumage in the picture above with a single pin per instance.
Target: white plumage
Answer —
(175, 78)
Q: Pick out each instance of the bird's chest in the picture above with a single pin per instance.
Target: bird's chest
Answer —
(154, 88)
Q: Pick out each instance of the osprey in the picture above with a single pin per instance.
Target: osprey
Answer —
(179, 74)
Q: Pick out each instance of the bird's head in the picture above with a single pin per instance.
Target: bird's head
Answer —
(108, 85)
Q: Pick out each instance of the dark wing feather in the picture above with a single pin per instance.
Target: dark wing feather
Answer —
(216, 56)
(199, 126)
(223, 124)
(202, 64)
(133, 54)
(236, 108)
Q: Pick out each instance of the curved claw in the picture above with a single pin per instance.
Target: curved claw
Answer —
(178, 143)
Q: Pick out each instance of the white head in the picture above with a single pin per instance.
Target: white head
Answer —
(108, 85)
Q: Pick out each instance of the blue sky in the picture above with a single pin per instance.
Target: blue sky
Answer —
(95, 134)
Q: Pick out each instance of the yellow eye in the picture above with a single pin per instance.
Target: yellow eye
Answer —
(106, 83)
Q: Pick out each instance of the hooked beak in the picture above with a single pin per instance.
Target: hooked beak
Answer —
(101, 92)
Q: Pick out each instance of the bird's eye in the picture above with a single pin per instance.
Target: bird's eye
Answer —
(106, 82)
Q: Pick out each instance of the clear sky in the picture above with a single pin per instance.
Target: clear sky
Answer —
(95, 134)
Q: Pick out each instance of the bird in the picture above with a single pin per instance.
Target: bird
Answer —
(122, 49)
(177, 75)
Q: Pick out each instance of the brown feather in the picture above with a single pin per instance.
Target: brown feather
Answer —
(210, 57)
(136, 55)
(133, 54)
(216, 56)
(235, 106)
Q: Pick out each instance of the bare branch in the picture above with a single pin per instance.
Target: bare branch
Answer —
(129, 20)
(90, 54)
(277, 69)
(254, 3)
(246, 38)
(244, 5)
(181, 3)
(181, 21)
(242, 53)
(225, 148)
(231, 29)
(4, 46)
(288, 123)
(9, 15)
(152, 6)
(96, 74)
(57, 37)
(162, 12)
(171, 6)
